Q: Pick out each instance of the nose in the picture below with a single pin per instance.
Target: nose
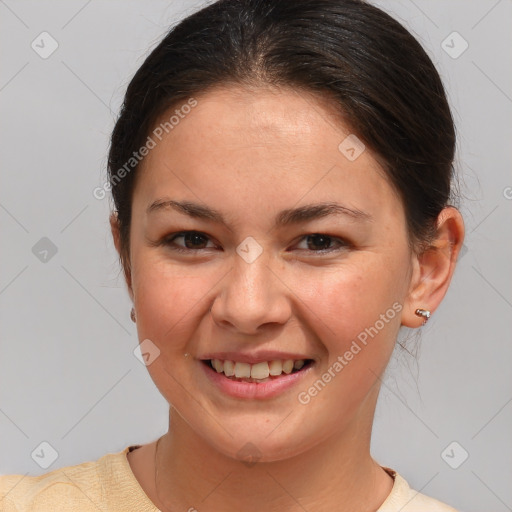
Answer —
(252, 298)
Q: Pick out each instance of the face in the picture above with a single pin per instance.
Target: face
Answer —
(254, 239)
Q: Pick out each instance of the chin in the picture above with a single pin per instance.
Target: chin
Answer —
(261, 448)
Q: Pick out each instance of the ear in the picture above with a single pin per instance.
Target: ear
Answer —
(116, 235)
(433, 268)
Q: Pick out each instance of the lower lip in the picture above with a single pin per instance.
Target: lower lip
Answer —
(254, 390)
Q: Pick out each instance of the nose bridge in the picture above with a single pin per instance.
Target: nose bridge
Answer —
(252, 295)
(252, 281)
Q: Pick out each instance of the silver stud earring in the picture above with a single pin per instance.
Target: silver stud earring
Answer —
(424, 313)
(132, 315)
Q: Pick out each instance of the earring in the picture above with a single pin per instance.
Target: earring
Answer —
(424, 313)
(132, 315)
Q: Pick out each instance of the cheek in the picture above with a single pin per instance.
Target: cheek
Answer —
(170, 303)
(353, 301)
(168, 299)
(355, 315)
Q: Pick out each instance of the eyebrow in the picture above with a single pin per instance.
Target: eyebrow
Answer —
(284, 218)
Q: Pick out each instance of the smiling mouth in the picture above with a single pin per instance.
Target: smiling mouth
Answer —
(259, 372)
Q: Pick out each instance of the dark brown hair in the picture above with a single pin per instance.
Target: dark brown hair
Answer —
(374, 71)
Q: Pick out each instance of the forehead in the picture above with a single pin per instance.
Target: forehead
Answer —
(269, 116)
(272, 144)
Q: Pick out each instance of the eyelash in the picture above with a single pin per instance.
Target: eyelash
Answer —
(168, 241)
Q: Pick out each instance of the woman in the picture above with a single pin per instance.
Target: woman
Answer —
(281, 177)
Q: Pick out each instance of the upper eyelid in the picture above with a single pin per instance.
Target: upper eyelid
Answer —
(173, 236)
(169, 239)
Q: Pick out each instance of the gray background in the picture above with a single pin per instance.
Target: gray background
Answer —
(68, 374)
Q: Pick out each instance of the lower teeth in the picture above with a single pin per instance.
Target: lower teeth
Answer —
(250, 379)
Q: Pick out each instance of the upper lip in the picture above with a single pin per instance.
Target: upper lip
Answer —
(254, 357)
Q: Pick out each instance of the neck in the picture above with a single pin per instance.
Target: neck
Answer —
(337, 474)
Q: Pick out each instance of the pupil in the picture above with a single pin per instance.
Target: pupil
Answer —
(192, 240)
(319, 240)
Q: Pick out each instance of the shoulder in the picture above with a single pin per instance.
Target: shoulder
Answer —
(104, 484)
(405, 499)
(72, 484)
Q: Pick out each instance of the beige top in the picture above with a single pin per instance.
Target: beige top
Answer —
(109, 484)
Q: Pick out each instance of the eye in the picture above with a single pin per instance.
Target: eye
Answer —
(195, 241)
(190, 241)
(319, 242)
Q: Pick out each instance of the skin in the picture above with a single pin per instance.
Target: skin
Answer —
(251, 153)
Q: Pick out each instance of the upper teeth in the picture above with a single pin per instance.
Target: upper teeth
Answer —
(256, 371)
